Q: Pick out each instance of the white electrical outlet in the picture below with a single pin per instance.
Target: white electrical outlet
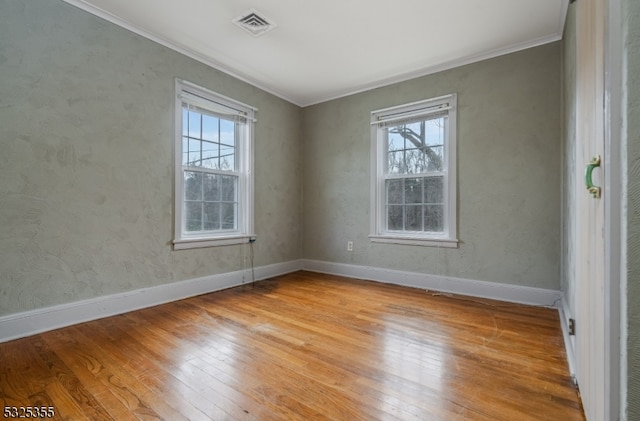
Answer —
(349, 245)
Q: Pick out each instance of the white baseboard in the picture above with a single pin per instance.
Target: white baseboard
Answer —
(29, 323)
(565, 314)
(503, 292)
(19, 325)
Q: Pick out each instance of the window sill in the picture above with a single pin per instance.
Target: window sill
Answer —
(415, 241)
(195, 243)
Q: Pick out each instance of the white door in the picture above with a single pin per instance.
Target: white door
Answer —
(590, 272)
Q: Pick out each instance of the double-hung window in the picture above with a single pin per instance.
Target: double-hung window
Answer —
(213, 168)
(413, 177)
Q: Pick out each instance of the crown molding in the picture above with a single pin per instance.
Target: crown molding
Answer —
(305, 101)
(179, 48)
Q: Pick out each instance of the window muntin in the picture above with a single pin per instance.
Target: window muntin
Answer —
(415, 204)
(413, 182)
(214, 160)
(210, 202)
(417, 147)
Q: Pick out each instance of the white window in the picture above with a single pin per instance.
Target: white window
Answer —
(413, 177)
(213, 169)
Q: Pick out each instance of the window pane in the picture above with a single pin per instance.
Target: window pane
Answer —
(192, 185)
(433, 190)
(210, 155)
(416, 161)
(227, 158)
(394, 217)
(433, 218)
(433, 156)
(394, 191)
(227, 132)
(413, 218)
(416, 147)
(434, 141)
(194, 124)
(193, 216)
(211, 188)
(210, 128)
(228, 188)
(185, 121)
(434, 131)
(396, 142)
(395, 162)
(228, 213)
(185, 150)
(413, 190)
(413, 134)
(194, 153)
(211, 216)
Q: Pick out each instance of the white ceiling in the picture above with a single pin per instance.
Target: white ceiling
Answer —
(326, 49)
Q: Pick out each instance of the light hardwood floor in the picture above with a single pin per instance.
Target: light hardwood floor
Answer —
(303, 346)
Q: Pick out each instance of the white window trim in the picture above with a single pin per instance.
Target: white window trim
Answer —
(245, 230)
(378, 231)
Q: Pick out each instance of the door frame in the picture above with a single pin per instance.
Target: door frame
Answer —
(613, 169)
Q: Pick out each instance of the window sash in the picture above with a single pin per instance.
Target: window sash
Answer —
(215, 140)
(429, 118)
(424, 203)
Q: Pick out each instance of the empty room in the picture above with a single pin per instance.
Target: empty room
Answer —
(337, 210)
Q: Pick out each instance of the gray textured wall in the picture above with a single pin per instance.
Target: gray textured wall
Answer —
(86, 133)
(508, 173)
(631, 58)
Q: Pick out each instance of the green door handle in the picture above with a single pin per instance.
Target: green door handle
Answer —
(594, 163)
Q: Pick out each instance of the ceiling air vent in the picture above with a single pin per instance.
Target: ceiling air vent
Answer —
(254, 23)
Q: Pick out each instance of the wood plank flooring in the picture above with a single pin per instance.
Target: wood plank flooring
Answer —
(303, 346)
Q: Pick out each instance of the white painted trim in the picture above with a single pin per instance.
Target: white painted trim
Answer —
(503, 292)
(277, 269)
(194, 243)
(413, 241)
(565, 314)
(29, 323)
(244, 133)
(415, 111)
